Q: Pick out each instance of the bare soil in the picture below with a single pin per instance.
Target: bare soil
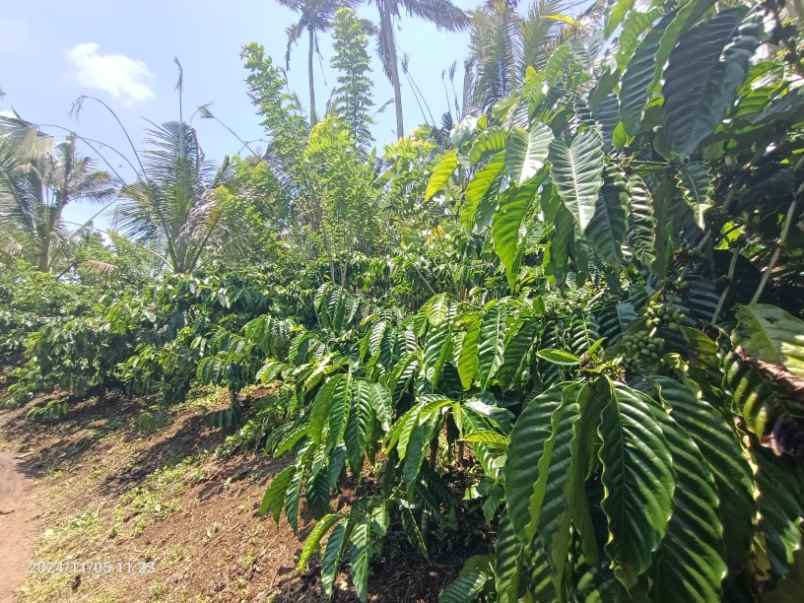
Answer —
(94, 509)
(18, 526)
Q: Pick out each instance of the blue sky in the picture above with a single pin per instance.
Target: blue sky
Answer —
(52, 52)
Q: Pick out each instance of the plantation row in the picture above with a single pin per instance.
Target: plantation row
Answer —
(586, 378)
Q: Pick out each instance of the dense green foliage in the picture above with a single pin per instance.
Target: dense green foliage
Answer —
(562, 340)
(351, 99)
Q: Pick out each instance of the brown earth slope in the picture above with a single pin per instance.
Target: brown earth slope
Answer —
(18, 526)
(109, 507)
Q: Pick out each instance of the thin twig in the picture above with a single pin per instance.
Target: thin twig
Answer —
(243, 142)
(732, 266)
(90, 142)
(122, 127)
(777, 252)
(421, 276)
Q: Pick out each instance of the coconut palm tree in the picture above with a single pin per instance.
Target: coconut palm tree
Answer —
(36, 185)
(503, 44)
(173, 203)
(442, 13)
(315, 16)
(496, 51)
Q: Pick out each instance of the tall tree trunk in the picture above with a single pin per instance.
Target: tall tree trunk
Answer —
(44, 256)
(310, 51)
(45, 229)
(387, 30)
(400, 128)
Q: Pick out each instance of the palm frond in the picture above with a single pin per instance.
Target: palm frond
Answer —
(294, 32)
(386, 44)
(76, 177)
(135, 213)
(294, 5)
(497, 54)
(442, 13)
(541, 35)
(384, 106)
(173, 203)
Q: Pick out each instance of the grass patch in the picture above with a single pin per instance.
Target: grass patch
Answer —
(156, 498)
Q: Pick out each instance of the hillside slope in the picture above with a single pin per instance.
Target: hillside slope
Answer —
(139, 505)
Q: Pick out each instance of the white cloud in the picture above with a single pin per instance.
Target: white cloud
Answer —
(117, 74)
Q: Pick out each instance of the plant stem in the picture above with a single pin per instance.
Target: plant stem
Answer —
(311, 75)
(123, 128)
(433, 460)
(91, 142)
(735, 253)
(243, 142)
(777, 252)
(424, 280)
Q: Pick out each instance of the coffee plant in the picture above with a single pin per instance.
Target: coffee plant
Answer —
(576, 365)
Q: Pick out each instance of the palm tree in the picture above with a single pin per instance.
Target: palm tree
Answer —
(36, 185)
(442, 13)
(315, 16)
(503, 44)
(495, 49)
(173, 203)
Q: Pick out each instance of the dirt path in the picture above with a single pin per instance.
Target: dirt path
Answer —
(18, 523)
